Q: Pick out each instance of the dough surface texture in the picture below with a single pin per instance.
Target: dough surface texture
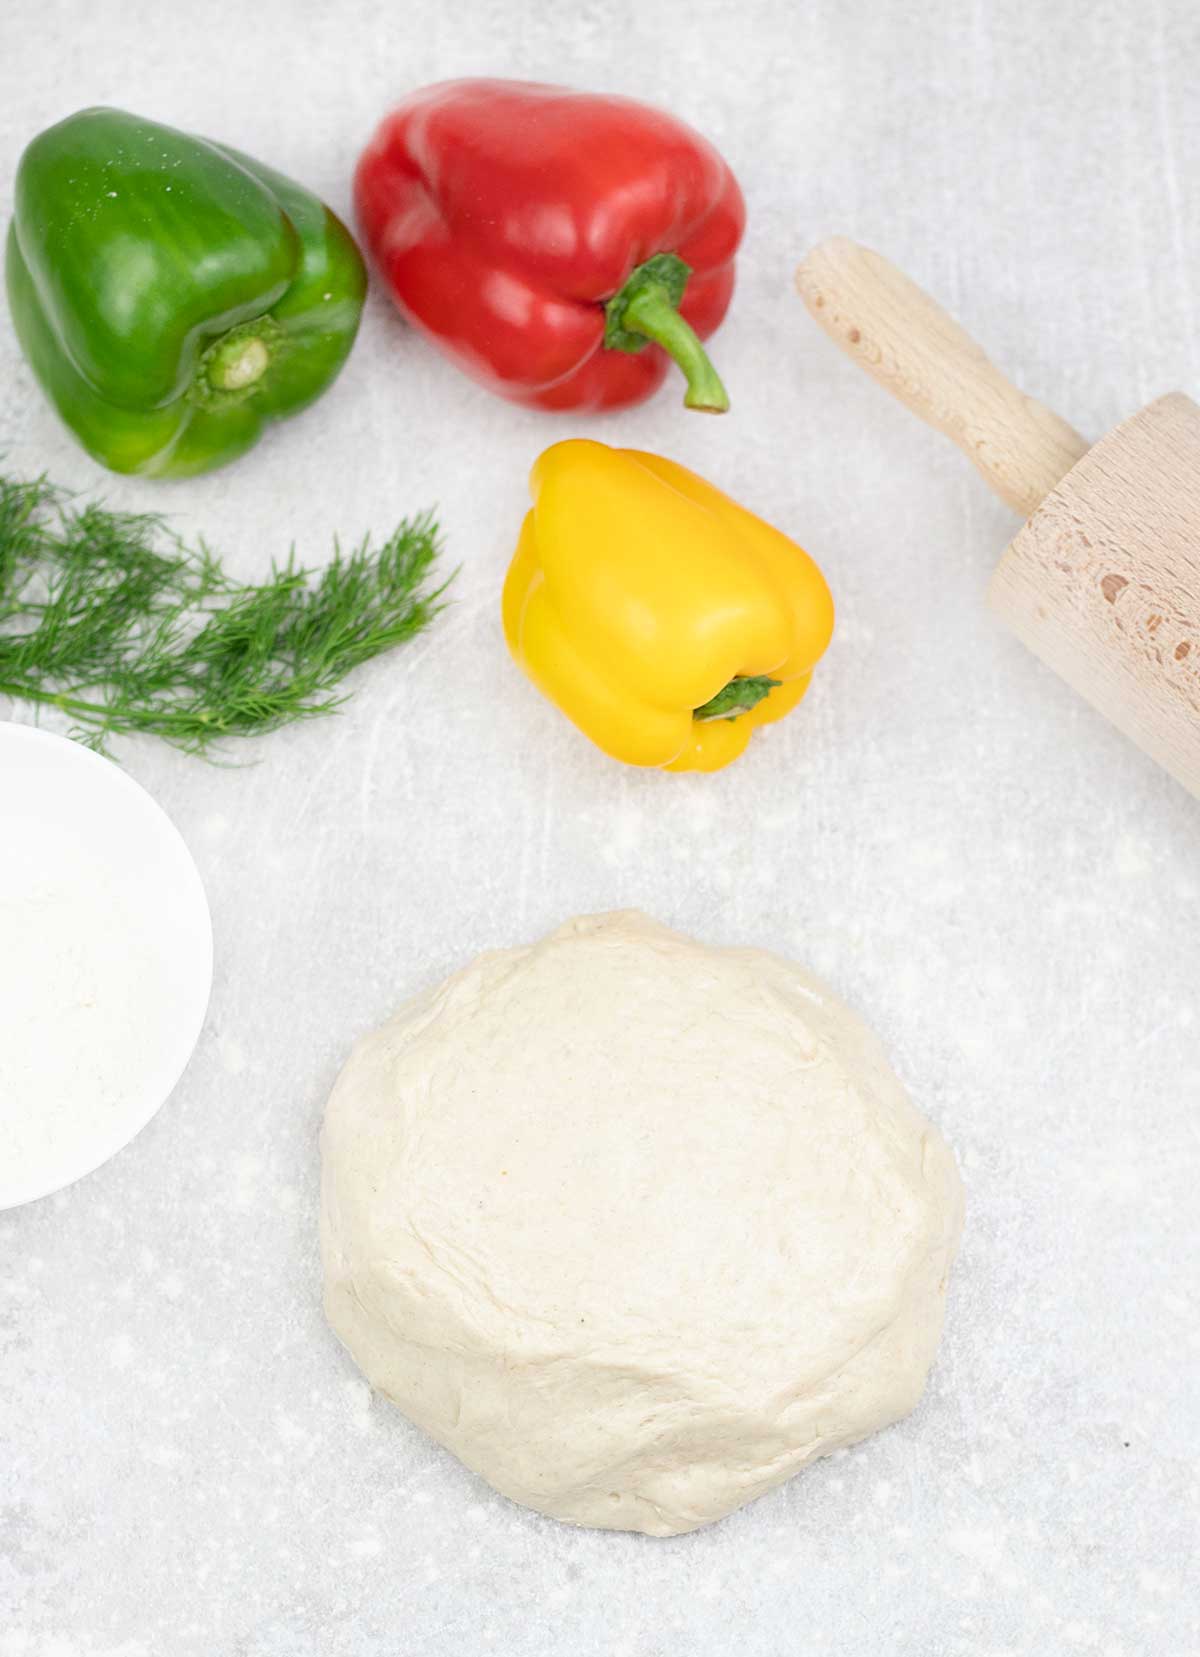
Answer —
(635, 1227)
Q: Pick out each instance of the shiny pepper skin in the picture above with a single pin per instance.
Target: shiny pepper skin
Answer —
(173, 297)
(638, 594)
(544, 238)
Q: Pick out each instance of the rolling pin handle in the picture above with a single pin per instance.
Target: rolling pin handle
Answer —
(915, 350)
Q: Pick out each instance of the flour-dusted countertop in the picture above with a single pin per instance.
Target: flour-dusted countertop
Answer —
(188, 1462)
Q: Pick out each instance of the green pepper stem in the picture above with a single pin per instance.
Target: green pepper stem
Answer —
(651, 312)
(237, 361)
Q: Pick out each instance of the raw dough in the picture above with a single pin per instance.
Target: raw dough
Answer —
(637, 1228)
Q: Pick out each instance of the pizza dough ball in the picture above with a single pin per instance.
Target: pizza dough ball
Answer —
(636, 1227)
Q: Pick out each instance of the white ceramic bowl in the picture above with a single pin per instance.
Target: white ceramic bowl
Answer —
(105, 961)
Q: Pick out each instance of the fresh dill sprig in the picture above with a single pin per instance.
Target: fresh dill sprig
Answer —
(111, 618)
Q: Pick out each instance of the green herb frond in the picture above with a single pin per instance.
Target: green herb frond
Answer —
(113, 619)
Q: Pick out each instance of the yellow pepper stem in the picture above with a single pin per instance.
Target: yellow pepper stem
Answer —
(738, 696)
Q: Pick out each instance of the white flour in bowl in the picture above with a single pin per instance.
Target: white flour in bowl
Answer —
(105, 957)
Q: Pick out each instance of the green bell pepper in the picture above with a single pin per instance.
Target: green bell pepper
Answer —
(172, 295)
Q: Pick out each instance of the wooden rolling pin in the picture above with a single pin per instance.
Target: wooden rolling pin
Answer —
(1103, 581)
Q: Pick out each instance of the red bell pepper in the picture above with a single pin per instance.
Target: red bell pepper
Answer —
(559, 246)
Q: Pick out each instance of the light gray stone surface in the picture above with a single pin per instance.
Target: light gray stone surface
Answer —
(188, 1462)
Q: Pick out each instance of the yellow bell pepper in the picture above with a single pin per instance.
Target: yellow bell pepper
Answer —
(666, 621)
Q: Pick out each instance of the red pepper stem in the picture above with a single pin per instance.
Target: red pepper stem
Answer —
(651, 312)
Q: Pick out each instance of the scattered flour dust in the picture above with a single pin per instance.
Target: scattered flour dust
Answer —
(95, 986)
